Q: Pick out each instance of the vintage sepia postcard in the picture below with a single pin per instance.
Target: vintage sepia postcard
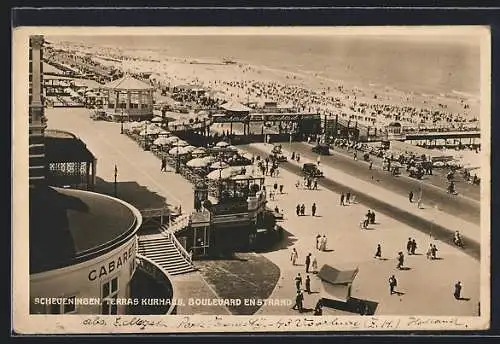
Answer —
(250, 179)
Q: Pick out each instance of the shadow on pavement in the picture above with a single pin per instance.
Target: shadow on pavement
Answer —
(353, 305)
(132, 192)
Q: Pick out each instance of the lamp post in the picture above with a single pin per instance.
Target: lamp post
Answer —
(115, 184)
(121, 121)
(220, 176)
(177, 159)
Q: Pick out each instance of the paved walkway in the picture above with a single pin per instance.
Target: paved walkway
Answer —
(428, 286)
(467, 229)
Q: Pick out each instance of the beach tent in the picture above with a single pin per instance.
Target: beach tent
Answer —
(337, 283)
(222, 144)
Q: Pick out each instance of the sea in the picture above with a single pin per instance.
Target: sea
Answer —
(421, 66)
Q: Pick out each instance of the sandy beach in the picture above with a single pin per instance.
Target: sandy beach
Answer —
(373, 105)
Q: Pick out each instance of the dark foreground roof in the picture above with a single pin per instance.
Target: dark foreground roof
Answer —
(61, 146)
(71, 226)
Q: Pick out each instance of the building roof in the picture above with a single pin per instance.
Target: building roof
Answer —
(72, 226)
(62, 146)
(234, 106)
(337, 277)
(128, 83)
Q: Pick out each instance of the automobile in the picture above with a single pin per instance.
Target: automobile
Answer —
(99, 115)
(321, 149)
(311, 170)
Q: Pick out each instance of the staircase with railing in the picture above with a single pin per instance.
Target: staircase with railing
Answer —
(165, 250)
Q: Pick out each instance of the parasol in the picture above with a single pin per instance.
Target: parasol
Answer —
(219, 165)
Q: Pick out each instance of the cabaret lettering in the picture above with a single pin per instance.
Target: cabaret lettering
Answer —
(111, 266)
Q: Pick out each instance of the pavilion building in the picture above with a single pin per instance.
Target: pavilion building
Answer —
(130, 98)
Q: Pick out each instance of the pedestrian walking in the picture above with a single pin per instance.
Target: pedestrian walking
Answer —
(413, 246)
(378, 253)
(318, 237)
(348, 197)
(434, 251)
(318, 160)
(275, 187)
(314, 265)
(342, 197)
(302, 209)
(323, 243)
(163, 164)
(298, 157)
(294, 256)
(293, 155)
(410, 196)
(298, 281)
(297, 209)
(458, 290)
(372, 217)
(313, 209)
(308, 262)
(401, 260)
(318, 309)
(371, 165)
(308, 284)
(429, 252)
(393, 282)
(299, 298)
(315, 187)
(281, 188)
(409, 245)
(297, 184)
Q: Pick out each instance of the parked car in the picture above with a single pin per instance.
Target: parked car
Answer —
(321, 149)
(311, 170)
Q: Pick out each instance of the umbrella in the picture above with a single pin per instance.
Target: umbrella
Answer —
(179, 143)
(171, 139)
(196, 163)
(219, 165)
(176, 150)
(189, 148)
(220, 174)
(222, 144)
(161, 141)
(209, 159)
(157, 119)
(199, 150)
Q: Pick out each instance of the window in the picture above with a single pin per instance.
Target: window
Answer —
(66, 307)
(109, 296)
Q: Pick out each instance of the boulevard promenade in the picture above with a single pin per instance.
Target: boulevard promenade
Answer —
(427, 285)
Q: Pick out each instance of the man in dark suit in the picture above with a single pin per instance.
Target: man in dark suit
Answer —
(308, 262)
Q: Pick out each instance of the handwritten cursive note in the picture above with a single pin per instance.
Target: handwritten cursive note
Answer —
(187, 323)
